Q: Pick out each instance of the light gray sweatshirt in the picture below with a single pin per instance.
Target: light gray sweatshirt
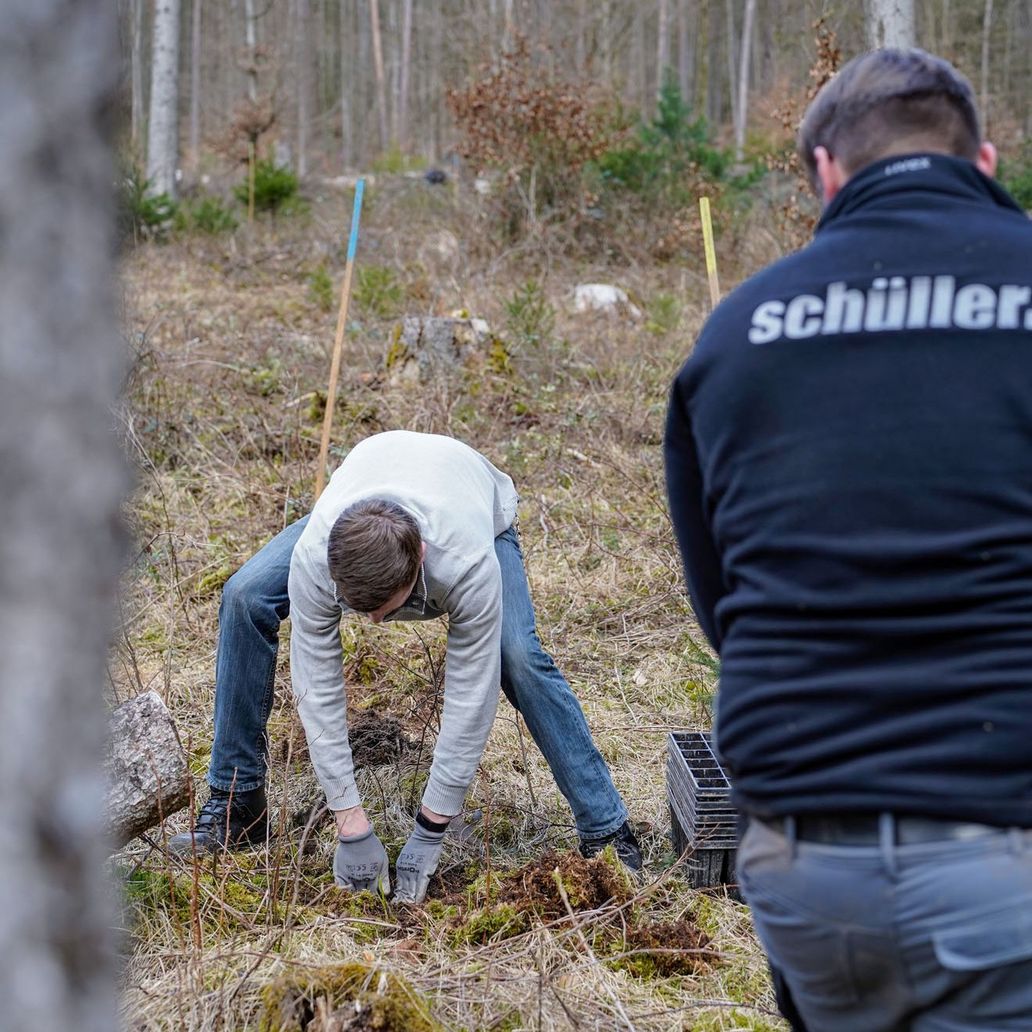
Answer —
(461, 503)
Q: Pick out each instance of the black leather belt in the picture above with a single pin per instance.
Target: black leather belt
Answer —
(864, 829)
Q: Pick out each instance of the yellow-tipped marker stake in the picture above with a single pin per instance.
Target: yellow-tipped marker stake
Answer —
(711, 254)
(338, 342)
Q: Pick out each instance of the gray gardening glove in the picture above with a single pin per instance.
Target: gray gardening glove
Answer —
(418, 860)
(361, 863)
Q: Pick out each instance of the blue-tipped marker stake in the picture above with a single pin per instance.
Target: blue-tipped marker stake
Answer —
(338, 343)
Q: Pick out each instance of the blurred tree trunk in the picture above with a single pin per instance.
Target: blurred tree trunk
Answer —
(381, 85)
(303, 76)
(347, 84)
(195, 84)
(136, 72)
(662, 45)
(404, 74)
(742, 110)
(251, 36)
(889, 23)
(732, 53)
(64, 481)
(163, 130)
(685, 53)
(987, 26)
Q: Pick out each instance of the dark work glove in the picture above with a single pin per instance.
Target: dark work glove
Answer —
(361, 863)
(417, 862)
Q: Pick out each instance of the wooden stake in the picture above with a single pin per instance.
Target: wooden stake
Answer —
(338, 342)
(711, 254)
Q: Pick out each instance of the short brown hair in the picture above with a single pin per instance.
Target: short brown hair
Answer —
(890, 102)
(374, 551)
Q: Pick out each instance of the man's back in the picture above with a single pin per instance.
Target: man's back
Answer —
(861, 420)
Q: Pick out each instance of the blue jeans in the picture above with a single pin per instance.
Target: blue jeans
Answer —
(255, 602)
(931, 937)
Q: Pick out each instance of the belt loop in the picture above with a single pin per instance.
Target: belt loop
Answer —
(887, 841)
(791, 836)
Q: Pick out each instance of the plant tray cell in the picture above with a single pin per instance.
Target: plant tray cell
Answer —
(700, 792)
(705, 868)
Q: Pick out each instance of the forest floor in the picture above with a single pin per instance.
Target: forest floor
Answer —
(230, 338)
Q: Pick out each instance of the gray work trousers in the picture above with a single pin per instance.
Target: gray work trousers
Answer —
(935, 937)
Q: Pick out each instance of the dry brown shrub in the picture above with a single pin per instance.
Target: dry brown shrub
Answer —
(797, 215)
(536, 130)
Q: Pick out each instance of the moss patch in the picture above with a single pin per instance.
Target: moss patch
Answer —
(346, 996)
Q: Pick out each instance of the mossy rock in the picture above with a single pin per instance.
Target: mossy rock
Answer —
(370, 999)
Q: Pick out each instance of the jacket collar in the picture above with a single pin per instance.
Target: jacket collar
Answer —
(882, 184)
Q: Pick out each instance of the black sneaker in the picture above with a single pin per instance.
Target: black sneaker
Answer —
(226, 821)
(623, 841)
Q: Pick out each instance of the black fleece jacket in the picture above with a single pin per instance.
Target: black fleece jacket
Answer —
(849, 467)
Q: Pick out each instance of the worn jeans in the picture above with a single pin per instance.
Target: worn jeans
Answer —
(932, 937)
(255, 602)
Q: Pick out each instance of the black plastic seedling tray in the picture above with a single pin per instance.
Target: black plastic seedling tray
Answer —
(703, 821)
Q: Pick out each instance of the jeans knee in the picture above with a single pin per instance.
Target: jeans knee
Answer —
(243, 598)
(519, 658)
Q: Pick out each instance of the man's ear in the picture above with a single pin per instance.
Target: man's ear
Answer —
(830, 174)
(987, 158)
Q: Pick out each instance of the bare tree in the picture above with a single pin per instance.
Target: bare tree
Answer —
(64, 480)
(685, 53)
(662, 45)
(381, 85)
(987, 25)
(251, 36)
(195, 82)
(742, 110)
(889, 23)
(303, 64)
(136, 74)
(163, 131)
(403, 77)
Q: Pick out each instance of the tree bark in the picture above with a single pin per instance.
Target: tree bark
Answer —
(163, 131)
(61, 366)
(889, 23)
(148, 778)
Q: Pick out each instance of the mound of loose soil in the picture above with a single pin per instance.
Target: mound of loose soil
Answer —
(670, 948)
(376, 739)
(535, 887)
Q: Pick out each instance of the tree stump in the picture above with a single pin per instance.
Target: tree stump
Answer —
(424, 345)
(148, 779)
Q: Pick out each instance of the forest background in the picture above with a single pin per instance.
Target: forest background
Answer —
(574, 139)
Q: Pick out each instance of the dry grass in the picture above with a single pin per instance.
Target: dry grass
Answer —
(222, 419)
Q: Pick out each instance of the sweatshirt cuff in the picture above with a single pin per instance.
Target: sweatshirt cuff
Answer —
(341, 797)
(444, 799)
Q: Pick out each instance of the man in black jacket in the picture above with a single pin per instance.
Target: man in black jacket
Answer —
(849, 466)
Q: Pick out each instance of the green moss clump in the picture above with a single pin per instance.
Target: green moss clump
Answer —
(481, 926)
(387, 1002)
